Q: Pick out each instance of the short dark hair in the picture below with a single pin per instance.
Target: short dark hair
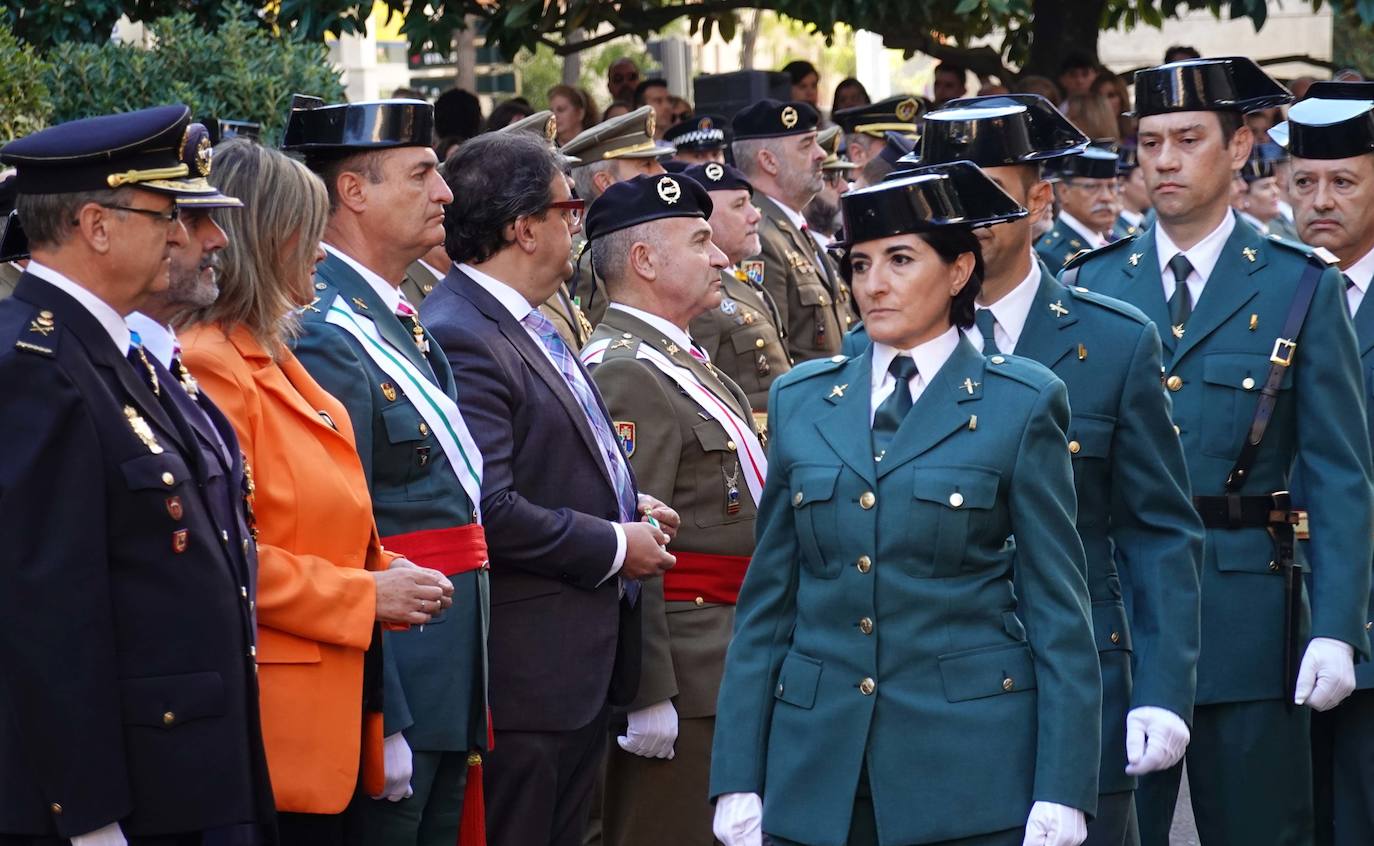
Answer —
(367, 163)
(457, 112)
(1230, 123)
(507, 113)
(1075, 60)
(645, 85)
(495, 178)
(799, 69)
(950, 67)
(1178, 52)
(948, 242)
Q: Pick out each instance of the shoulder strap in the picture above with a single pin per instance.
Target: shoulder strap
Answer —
(1069, 278)
(1280, 359)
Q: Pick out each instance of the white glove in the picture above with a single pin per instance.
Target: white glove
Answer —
(739, 819)
(397, 766)
(1327, 674)
(110, 835)
(1156, 739)
(652, 731)
(1055, 825)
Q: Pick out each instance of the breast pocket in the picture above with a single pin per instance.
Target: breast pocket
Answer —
(1231, 391)
(1090, 447)
(752, 345)
(721, 487)
(815, 514)
(402, 471)
(945, 500)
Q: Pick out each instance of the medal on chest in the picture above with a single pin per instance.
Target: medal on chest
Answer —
(732, 496)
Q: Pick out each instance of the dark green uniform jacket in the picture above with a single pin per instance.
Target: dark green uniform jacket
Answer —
(1213, 375)
(436, 674)
(879, 626)
(813, 302)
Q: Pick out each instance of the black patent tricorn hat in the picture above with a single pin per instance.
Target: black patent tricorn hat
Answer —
(1092, 163)
(927, 198)
(1334, 121)
(1005, 129)
(323, 131)
(1227, 84)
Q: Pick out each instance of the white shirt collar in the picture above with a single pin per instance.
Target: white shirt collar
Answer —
(513, 301)
(390, 294)
(1011, 311)
(929, 357)
(671, 332)
(1133, 218)
(1094, 239)
(1203, 255)
(1362, 272)
(159, 340)
(798, 220)
(107, 317)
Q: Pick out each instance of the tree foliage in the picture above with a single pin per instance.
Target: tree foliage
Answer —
(24, 105)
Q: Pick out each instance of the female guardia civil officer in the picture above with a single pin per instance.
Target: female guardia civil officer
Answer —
(891, 681)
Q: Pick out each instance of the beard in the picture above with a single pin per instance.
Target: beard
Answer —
(823, 214)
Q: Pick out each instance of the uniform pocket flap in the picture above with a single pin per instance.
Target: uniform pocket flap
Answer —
(1110, 628)
(957, 487)
(798, 680)
(813, 295)
(404, 424)
(1093, 436)
(757, 337)
(1241, 550)
(811, 484)
(161, 472)
(168, 701)
(1234, 369)
(987, 671)
(711, 435)
(278, 647)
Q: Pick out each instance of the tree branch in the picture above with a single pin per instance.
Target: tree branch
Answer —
(983, 61)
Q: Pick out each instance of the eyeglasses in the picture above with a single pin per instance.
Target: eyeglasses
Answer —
(572, 210)
(618, 78)
(168, 217)
(835, 177)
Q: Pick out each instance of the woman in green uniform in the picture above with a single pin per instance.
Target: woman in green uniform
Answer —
(891, 680)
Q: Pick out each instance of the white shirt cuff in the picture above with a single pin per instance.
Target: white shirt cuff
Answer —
(619, 554)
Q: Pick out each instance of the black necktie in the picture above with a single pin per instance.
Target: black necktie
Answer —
(1349, 283)
(1181, 303)
(890, 413)
(984, 320)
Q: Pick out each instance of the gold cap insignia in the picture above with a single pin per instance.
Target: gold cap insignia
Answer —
(551, 128)
(789, 117)
(649, 125)
(714, 171)
(669, 191)
(705, 123)
(906, 110)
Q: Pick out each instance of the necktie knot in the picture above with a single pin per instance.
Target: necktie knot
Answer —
(1180, 267)
(405, 309)
(985, 321)
(542, 326)
(902, 368)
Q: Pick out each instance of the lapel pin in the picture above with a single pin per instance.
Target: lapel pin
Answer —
(972, 422)
(358, 301)
(1178, 331)
(969, 385)
(1249, 253)
(837, 391)
(1058, 308)
(1254, 322)
(1135, 259)
(1082, 353)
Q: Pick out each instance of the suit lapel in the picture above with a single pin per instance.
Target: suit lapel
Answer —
(843, 422)
(1364, 325)
(1145, 289)
(1042, 338)
(359, 296)
(289, 382)
(942, 408)
(1228, 288)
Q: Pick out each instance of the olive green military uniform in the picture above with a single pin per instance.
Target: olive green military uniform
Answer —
(687, 459)
(813, 302)
(630, 136)
(741, 336)
(419, 281)
(570, 321)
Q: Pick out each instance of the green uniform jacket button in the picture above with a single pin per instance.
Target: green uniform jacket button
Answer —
(867, 686)
(864, 563)
(866, 500)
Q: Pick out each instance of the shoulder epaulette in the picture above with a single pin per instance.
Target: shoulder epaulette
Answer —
(1049, 237)
(1106, 303)
(1024, 370)
(1318, 255)
(41, 336)
(623, 345)
(1105, 249)
(814, 367)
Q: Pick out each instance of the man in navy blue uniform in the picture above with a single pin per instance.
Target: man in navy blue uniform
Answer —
(128, 698)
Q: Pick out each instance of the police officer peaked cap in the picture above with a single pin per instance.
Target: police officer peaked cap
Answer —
(1092, 163)
(541, 123)
(1334, 121)
(1230, 84)
(1126, 160)
(829, 140)
(156, 149)
(1006, 129)
(699, 134)
(928, 198)
(646, 198)
(324, 132)
(774, 119)
(895, 114)
(898, 147)
(714, 176)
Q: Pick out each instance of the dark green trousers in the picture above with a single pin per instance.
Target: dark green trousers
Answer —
(428, 818)
(1343, 771)
(1250, 774)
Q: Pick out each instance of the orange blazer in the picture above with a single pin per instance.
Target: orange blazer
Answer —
(316, 602)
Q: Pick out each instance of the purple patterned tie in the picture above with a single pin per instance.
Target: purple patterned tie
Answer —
(581, 389)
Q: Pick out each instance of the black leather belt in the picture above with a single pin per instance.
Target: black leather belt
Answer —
(1244, 512)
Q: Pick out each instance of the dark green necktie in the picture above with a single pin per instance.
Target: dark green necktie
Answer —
(888, 418)
(984, 320)
(1181, 303)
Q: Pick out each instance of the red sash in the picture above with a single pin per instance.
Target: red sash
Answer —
(711, 578)
(454, 550)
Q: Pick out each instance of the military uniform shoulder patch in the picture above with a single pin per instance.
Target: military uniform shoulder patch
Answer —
(37, 339)
(753, 271)
(625, 433)
(1326, 256)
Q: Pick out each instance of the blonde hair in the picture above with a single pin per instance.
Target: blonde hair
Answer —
(1092, 114)
(272, 240)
